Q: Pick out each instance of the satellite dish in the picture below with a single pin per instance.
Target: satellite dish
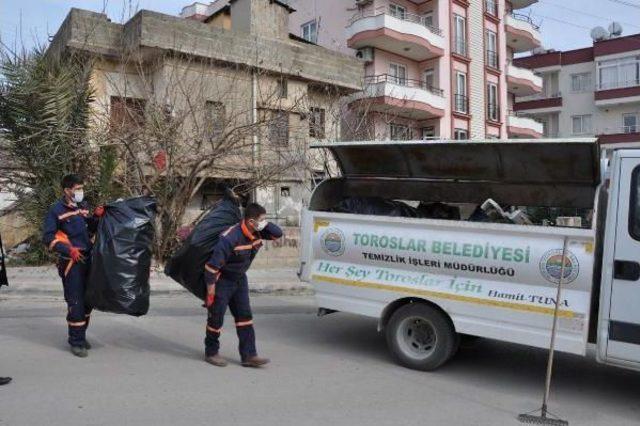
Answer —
(615, 28)
(599, 33)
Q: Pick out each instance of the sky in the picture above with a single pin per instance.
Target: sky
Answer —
(565, 24)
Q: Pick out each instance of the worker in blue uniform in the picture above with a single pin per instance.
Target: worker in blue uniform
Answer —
(67, 230)
(227, 285)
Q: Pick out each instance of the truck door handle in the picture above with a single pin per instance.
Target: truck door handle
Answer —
(626, 270)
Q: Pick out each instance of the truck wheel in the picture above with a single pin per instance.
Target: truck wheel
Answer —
(420, 337)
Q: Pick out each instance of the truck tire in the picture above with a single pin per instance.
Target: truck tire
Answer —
(420, 337)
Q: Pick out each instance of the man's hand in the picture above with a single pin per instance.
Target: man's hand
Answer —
(76, 254)
(98, 211)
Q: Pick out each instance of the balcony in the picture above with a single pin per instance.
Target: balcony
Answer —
(617, 93)
(519, 126)
(522, 81)
(406, 35)
(522, 34)
(401, 97)
(521, 4)
(541, 102)
(625, 134)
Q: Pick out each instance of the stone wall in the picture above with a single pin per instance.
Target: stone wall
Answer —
(14, 229)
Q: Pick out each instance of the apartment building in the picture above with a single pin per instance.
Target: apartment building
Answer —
(593, 91)
(434, 68)
(233, 66)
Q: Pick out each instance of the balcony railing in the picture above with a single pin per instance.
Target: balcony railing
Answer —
(461, 103)
(491, 7)
(493, 112)
(407, 17)
(618, 84)
(401, 81)
(618, 130)
(460, 46)
(540, 96)
(493, 60)
(416, 19)
(523, 115)
(525, 18)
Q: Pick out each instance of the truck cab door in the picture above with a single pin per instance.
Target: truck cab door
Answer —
(622, 267)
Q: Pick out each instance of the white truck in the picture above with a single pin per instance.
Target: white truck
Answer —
(428, 281)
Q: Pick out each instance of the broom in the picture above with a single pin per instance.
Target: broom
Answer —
(543, 418)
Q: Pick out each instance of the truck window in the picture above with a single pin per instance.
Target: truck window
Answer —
(634, 204)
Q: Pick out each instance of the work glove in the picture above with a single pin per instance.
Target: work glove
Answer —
(75, 254)
(98, 211)
(211, 295)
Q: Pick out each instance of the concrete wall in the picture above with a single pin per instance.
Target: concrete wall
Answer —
(281, 253)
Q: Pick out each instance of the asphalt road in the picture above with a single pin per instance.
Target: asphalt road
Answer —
(325, 371)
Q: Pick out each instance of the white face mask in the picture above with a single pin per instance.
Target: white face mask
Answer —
(261, 225)
(78, 196)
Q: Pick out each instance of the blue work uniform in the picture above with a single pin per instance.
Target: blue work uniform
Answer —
(227, 285)
(70, 225)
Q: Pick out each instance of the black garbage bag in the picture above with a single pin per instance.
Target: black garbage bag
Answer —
(375, 206)
(186, 266)
(438, 211)
(121, 258)
(3, 268)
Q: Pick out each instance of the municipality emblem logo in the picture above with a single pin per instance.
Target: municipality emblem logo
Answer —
(551, 266)
(332, 242)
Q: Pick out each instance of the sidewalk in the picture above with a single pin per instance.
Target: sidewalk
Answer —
(44, 280)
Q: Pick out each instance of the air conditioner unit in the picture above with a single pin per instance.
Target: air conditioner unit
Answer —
(363, 2)
(366, 54)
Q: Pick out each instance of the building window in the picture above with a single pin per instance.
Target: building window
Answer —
(309, 31)
(429, 133)
(460, 35)
(283, 88)
(631, 123)
(215, 116)
(581, 124)
(285, 192)
(581, 82)
(461, 102)
(634, 204)
(400, 132)
(491, 7)
(460, 134)
(398, 74)
(430, 80)
(427, 18)
(397, 11)
(493, 110)
(619, 73)
(126, 114)
(492, 49)
(279, 128)
(317, 123)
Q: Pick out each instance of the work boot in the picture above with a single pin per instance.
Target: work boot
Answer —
(4, 380)
(216, 360)
(87, 345)
(255, 362)
(79, 351)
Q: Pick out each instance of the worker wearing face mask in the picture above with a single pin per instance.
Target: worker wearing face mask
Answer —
(226, 279)
(67, 231)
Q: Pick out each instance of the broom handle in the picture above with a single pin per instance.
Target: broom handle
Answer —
(552, 344)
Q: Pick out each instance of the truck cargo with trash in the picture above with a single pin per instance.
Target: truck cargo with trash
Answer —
(478, 264)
